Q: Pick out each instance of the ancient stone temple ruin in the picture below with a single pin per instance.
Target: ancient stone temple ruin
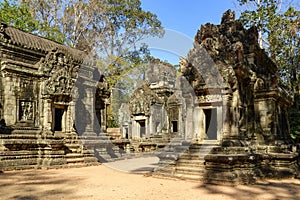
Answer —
(222, 119)
(49, 94)
(239, 104)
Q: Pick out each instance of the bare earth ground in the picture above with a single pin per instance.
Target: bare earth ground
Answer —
(107, 183)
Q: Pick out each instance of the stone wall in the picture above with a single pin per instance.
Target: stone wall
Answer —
(254, 139)
(50, 95)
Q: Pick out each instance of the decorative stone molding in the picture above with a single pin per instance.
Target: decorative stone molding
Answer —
(60, 72)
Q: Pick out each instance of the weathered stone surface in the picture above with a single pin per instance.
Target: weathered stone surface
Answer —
(253, 107)
(48, 95)
(238, 102)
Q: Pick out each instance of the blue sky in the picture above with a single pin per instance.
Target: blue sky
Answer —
(182, 19)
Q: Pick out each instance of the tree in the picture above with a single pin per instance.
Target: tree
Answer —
(17, 15)
(109, 29)
(279, 27)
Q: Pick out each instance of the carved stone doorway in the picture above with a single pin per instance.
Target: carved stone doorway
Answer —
(174, 126)
(59, 118)
(211, 124)
(142, 127)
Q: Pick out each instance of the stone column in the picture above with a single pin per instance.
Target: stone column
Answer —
(226, 115)
(265, 111)
(234, 115)
(72, 116)
(220, 122)
(189, 123)
(10, 107)
(133, 134)
(152, 127)
(197, 123)
(89, 107)
(103, 116)
(147, 128)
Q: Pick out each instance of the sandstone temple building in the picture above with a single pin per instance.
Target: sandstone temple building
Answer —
(226, 103)
(222, 119)
(49, 95)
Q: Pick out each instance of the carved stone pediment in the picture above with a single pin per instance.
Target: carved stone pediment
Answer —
(60, 72)
(142, 99)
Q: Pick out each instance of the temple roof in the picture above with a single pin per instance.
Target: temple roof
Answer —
(34, 42)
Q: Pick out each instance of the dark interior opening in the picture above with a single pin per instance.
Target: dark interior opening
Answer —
(175, 126)
(126, 133)
(211, 123)
(142, 124)
(58, 114)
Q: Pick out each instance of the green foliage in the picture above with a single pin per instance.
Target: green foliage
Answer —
(295, 124)
(279, 27)
(20, 16)
(17, 15)
(110, 30)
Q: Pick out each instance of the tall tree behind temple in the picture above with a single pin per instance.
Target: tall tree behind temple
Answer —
(17, 16)
(109, 29)
(279, 24)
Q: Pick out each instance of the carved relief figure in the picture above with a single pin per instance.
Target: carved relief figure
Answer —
(61, 71)
(26, 110)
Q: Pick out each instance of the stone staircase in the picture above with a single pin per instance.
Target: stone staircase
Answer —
(29, 149)
(189, 165)
(77, 154)
(102, 147)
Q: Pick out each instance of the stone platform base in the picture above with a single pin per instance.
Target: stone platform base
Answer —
(242, 167)
(29, 149)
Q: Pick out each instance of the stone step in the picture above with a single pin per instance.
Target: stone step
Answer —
(74, 155)
(190, 177)
(30, 156)
(187, 156)
(73, 145)
(18, 153)
(190, 163)
(164, 171)
(75, 160)
(189, 170)
(19, 162)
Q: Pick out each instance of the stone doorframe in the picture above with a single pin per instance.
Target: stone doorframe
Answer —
(136, 126)
(59, 118)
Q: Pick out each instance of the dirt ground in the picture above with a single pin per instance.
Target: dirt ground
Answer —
(102, 182)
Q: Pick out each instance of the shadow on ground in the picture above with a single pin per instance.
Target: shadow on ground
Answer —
(34, 184)
(268, 189)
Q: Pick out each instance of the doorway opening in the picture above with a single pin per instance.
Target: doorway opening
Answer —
(142, 127)
(174, 126)
(58, 119)
(211, 123)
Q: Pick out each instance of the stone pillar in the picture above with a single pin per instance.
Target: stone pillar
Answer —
(198, 134)
(265, 111)
(133, 133)
(72, 116)
(69, 117)
(226, 116)
(220, 122)
(47, 112)
(234, 115)
(189, 124)
(103, 116)
(89, 105)
(147, 128)
(10, 107)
